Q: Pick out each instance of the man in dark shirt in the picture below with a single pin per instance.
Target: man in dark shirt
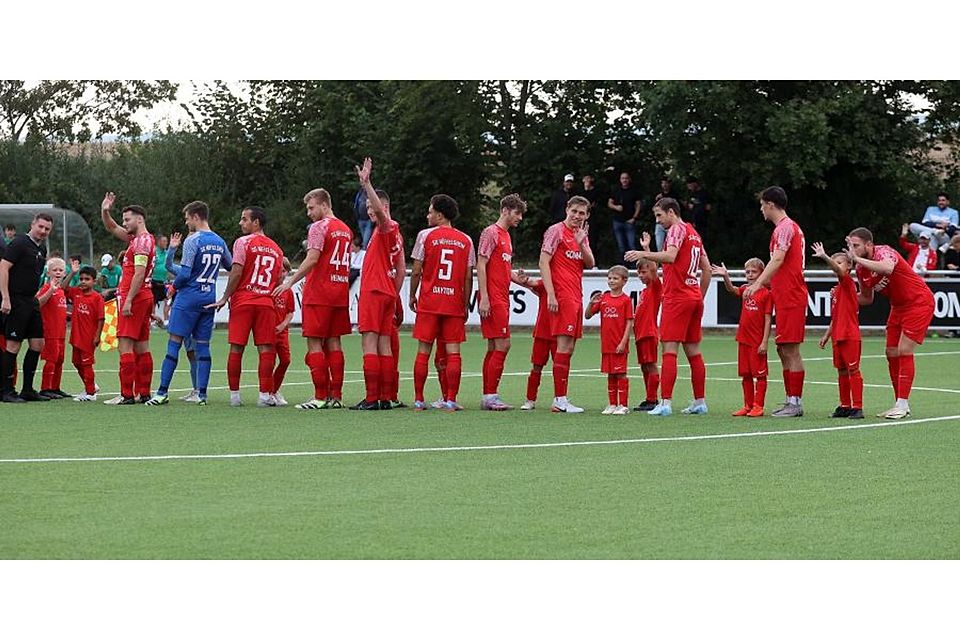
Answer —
(666, 191)
(558, 201)
(592, 194)
(698, 204)
(625, 204)
(20, 270)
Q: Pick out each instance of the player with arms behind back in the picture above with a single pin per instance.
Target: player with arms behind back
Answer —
(440, 285)
(255, 273)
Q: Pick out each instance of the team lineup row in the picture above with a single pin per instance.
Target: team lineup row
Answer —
(259, 293)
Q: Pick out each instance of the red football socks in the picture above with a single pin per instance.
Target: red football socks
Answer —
(386, 377)
(420, 367)
(698, 376)
(144, 374)
(905, 379)
(533, 384)
(668, 376)
(561, 374)
(128, 373)
(234, 365)
(317, 363)
(748, 392)
(843, 381)
(893, 366)
(335, 367)
(653, 386)
(265, 362)
(371, 376)
(454, 368)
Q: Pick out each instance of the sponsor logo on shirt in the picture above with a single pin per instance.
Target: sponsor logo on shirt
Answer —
(573, 255)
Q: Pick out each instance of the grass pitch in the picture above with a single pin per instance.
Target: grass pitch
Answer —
(882, 490)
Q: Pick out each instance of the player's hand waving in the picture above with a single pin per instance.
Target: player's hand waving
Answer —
(645, 241)
(108, 199)
(175, 239)
(718, 270)
(818, 251)
(580, 235)
(364, 173)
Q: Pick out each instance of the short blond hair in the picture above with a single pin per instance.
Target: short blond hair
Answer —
(54, 261)
(754, 262)
(320, 195)
(620, 270)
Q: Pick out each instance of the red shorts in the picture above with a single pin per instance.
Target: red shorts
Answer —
(262, 320)
(911, 321)
(53, 350)
(497, 324)
(680, 320)
(647, 349)
(846, 354)
(136, 326)
(431, 326)
(81, 358)
(750, 363)
(376, 312)
(790, 324)
(568, 320)
(543, 350)
(613, 363)
(322, 321)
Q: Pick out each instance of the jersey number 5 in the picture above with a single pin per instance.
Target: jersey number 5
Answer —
(446, 265)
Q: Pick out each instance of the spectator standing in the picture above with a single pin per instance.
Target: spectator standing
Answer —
(921, 255)
(592, 194)
(699, 206)
(158, 280)
(364, 223)
(9, 233)
(558, 201)
(356, 259)
(667, 190)
(625, 202)
(941, 220)
(110, 273)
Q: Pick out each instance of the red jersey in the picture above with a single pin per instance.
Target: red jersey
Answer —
(542, 328)
(566, 262)
(85, 321)
(903, 287)
(648, 307)
(447, 256)
(753, 312)
(262, 262)
(379, 271)
(495, 245)
(54, 314)
(680, 279)
(143, 250)
(787, 285)
(845, 310)
(328, 282)
(282, 305)
(615, 313)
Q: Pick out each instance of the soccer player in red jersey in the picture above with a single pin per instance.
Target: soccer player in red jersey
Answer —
(844, 331)
(564, 255)
(646, 333)
(326, 299)
(255, 273)
(616, 325)
(380, 281)
(86, 325)
(393, 391)
(134, 299)
(881, 269)
(683, 292)
(53, 310)
(784, 275)
(753, 333)
(443, 261)
(283, 306)
(494, 259)
(544, 344)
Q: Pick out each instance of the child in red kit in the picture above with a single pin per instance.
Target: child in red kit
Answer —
(844, 331)
(753, 333)
(86, 326)
(616, 326)
(646, 333)
(544, 344)
(53, 311)
(283, 306)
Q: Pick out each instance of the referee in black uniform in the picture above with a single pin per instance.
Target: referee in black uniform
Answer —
(20, 270)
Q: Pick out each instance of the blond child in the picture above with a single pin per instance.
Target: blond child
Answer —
(616, 326)
(753, 334)
(53, 312)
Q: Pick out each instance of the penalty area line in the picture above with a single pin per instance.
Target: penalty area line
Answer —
(492, 447)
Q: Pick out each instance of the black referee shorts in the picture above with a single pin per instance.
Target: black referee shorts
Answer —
(159, 290)
(23, 322)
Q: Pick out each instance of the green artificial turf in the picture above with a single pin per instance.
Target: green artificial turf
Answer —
(889, 491)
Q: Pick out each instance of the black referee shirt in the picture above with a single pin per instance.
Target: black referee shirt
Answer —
(27, 259)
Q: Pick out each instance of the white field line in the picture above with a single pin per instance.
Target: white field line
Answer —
(494, 447)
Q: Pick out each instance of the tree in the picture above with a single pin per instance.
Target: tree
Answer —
(76, 110)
